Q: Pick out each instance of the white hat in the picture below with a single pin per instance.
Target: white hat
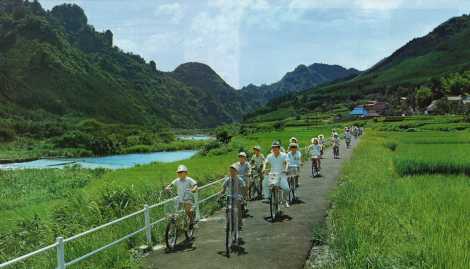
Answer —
(182, 168)
(235, 166)
(242, 154)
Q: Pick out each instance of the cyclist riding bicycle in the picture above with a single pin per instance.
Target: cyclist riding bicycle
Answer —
(336, 143)
(278, 163)
(185, 186)
(256, 163)
(347, 137)
(314, 151)
(244, 172)
(321, 142)
(294, 159)
(234, 186)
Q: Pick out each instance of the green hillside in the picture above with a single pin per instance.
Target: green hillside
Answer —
(55, 62)
(429, 61)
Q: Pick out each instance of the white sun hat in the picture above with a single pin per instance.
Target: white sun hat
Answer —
(182, 168)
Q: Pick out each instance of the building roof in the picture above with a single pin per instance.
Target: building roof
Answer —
(359, 111)
(454, 98)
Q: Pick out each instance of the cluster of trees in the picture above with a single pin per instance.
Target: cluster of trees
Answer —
(456, 84)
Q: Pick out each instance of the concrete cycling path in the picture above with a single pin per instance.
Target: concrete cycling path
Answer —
(284, 244)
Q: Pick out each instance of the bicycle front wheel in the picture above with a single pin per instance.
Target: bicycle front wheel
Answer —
(228, 232)
(171, 235)
(273, 205)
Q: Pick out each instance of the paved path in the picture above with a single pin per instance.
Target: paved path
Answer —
(267, 245)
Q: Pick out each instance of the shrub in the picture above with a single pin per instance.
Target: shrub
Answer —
(391, 145)
(6, 134)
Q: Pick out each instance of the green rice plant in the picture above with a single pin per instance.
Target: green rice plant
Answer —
(383, 220)
(416, 159)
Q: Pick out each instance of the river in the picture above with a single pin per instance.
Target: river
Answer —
(110, 162)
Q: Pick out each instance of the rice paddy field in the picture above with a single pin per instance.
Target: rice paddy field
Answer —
(39, 205)
(403, 200)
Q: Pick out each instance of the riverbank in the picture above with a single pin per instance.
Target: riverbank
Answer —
(36, 150)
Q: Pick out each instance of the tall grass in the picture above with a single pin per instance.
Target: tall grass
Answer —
(416, 159)
(383, 220)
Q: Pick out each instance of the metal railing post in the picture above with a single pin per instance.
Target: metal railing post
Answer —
(148, 226)
(196, 202)
(60, 253)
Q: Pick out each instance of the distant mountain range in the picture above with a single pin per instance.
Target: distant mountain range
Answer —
(54, 64)
(423, 61)
(303, 78)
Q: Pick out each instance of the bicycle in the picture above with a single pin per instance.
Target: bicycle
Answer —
(275, 197)
(336, 152)
(177, 223)
(293, 173)
(315, 167)
(348, 142)
(254, 188)
(232, 229)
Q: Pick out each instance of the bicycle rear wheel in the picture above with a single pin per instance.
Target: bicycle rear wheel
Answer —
(171, 235)
(291, 190)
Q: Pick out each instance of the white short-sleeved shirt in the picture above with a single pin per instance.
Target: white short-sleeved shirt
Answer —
(234, 186)
(294, 159)
(277, 163)
(181, 186)
(314, 150)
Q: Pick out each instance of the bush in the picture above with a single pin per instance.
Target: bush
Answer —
(391, 145)
(7, 134)
(279, 125)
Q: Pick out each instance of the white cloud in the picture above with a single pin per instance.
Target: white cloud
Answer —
(214, 36)
(377, 4)
(171, 11)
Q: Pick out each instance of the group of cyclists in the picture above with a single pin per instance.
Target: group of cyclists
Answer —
(255, 178)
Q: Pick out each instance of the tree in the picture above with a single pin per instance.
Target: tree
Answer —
(108, 38)
(224, 137)
(72, 16)
(423, 97)
(153, 65)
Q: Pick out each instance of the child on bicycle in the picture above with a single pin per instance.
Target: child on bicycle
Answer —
(256, 164)
(336, 143)
(347, 136)
(244, 172)
(294, 159)
(185, 187)
(314, 151)
(234, 186)
(278, 163)
(321, 141)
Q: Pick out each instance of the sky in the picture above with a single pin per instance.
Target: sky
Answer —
(258, 41)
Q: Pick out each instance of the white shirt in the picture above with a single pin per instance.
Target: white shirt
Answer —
(182, 186)
(294, 159)
(277, 163)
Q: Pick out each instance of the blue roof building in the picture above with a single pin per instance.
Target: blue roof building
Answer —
(359, 111)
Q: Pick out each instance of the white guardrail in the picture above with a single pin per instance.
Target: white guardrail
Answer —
(59, 245)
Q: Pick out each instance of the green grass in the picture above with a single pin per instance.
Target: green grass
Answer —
(35, 216)
(416, 159)
(384, 220)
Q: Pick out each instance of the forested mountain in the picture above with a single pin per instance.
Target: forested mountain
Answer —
(302, 78)
(437, 61)
(55, 63)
